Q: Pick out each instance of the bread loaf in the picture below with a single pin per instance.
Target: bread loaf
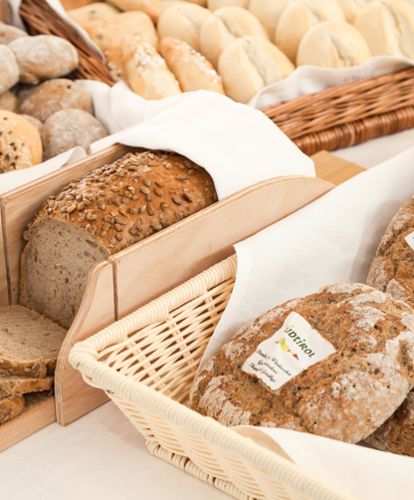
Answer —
(298, 17)
(147, 73)
(69, 128)
(248, 64)
(388, 27)
(20, 143)
(217, 4)
(108, 210)
(149, 7)
(11, 407)
(268, 13)
(183, 20)
(9, 69)
(94, 12)
(44, 56)
(336, 363)
(191, 69)
(54, 95)
(223, 26)
(29, 342)
(352, 8)
(9, 33)
(9, 102)
(5, 11)
(10, 385)
(333, 44)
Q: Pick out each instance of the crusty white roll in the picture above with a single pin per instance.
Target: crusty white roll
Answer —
(352, 8)
(298, 17)
(388, 27)
(250, 63)
(150, 7)
(333, 44)
(183, 20)
(147, 72)
(191, 69)
(217, 4)
(268, 13)
(223, 26)
(93, 12)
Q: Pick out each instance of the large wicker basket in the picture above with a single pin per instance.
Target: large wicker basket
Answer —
(146, 363)
(332, 119)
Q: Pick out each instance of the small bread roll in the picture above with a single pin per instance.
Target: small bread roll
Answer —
(333, 44)
(191, 69)
(388, 27)
(35, 122)
(352, 8)
(9, 33)
(20, 143)
(165, 4)
(93, 12)
(150, 7)
(9, 102)
(217, 4)
(44, 56)
(69, 128)
(268, 13)
(298, 17)
(183, 20)
(223, 26)
(147, 73)
(9, 69)
(5, 12)
(250, 63)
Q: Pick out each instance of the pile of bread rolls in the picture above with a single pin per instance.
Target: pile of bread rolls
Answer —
(41, 114)
(163, 47)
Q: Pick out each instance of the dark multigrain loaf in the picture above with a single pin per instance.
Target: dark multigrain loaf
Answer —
(12, 384)
(347, 395)
(106, 211)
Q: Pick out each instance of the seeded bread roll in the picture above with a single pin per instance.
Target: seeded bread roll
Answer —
(9, 69)
(346, 395)
(388, 27)
(191, 69)
(9, 102)
(54, 95)
(9, 33)
(69, 128)
(106, 211)
(147, 73)
(217, 4)
(298, 17)
(94, 12)
(352, 8)
(248, 64)
(268, 13)
(5, 12)
(11, 407)
(12, 384)
(183, 20)
(223, 26)
(44, 56)
(20, 143)
(333, 44)
(150, 7)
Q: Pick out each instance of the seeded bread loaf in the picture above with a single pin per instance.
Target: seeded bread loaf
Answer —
(11, 407)
(10, 385)
(346, 395)
(106, 211)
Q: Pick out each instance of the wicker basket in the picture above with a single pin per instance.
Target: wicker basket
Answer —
(146, 363)
(336, 118)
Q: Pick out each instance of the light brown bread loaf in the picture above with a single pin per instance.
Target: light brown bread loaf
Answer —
(20, 143)
(34, 121)
(9, 102)
(11, 407)
(108, 210)
(29, 342)
(94, 12)
(11, 384)
(9, 33)
(191, 69)
(346, 395)
(9, 69)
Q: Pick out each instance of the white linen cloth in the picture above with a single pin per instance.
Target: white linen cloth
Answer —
(332, 240)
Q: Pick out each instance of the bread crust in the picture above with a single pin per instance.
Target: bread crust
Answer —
(11, 407)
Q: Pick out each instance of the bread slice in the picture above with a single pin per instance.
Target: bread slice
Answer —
(29, 342)
(11, 407)
(10, 384)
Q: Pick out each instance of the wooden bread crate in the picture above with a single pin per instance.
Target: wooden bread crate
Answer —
(148, 267)
(335, 118)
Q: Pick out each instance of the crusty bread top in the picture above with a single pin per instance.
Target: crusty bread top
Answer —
(124, 202)
(345, 396)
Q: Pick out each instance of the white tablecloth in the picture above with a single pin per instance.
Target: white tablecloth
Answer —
(101, 455)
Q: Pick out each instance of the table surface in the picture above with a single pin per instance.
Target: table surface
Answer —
(101, 455)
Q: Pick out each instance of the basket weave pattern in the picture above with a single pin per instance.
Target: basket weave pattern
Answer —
(146, 363)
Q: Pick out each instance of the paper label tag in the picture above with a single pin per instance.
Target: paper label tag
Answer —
(288, 352)
(410, 240)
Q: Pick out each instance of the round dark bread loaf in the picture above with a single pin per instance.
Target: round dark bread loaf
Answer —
(109, 209)
(345, 396)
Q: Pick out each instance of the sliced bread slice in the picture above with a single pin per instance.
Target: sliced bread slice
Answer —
(11, 407)
(29, 342)
(10, 384)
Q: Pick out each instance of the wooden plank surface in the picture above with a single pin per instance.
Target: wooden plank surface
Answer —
(333, 169)
(4, 293)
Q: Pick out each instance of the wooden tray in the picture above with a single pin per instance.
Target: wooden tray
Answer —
(108, 293)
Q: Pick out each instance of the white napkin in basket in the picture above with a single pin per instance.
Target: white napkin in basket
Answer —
(238, 146)
(332, 240)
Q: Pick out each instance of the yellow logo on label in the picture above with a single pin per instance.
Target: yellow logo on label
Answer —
(285, 347)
